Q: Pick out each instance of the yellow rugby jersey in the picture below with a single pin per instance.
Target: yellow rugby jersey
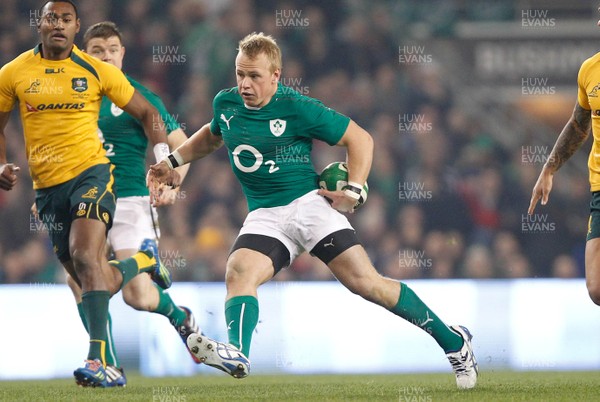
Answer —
(588, 96)
(59, 103)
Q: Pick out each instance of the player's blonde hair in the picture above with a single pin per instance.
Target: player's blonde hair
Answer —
(256, 43)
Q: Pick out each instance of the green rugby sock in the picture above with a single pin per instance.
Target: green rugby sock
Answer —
(241, 315)
(111, 351)
(168, 308)
(142, 261)
(95, 308)
(412, 309)
(82, 315)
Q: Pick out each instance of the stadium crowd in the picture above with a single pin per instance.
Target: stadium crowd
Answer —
(446, 199)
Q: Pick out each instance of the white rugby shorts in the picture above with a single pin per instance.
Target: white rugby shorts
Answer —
(299, 225)
(135, 220)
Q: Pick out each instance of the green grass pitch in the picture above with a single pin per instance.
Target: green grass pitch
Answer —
(492, 386)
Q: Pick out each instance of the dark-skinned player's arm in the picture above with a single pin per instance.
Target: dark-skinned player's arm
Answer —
(572, 136)
(148, 115)
(359, 148)
(139, 107)
(8, 178)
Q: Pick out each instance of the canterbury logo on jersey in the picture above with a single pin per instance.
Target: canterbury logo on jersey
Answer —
(54, 106)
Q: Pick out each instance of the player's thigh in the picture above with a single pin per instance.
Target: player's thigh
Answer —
(92, 209)
(592, 265)
(87, 242)
(592, 249)
(134, 220)
(53, 207)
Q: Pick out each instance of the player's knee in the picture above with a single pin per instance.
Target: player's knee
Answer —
(84, 261)
(235, 273)
(247, 275)
(362, 286)
(372, 288)
(594, 291)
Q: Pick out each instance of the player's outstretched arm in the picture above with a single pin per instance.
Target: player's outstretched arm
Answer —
(8, 178)
(141, 109)
(202, 143)
(359, 148)
(572, 136)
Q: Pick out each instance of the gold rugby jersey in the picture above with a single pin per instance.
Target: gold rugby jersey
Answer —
(59, 103)
(588, 96)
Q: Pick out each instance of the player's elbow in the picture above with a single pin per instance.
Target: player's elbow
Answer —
(216, 142)
(357, 139)
(368, 143)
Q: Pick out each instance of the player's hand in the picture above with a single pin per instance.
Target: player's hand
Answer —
(34, 211)
(168, 195)
(339, 200)
(541, 190)
(161, 173)
(159, 176)
(8, 178)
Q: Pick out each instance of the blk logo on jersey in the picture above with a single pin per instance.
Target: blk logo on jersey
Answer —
(79, 84)
(55, 70)
(277, 127)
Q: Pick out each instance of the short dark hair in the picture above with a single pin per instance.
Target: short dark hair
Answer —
(104, 30)
(41, 10)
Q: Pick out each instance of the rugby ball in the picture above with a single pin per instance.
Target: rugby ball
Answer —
(335, 176)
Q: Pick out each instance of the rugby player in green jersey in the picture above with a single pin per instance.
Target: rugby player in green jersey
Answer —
(261, 122)
(135, 218)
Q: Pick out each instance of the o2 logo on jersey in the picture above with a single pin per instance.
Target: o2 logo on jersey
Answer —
(258, 161)
(115, 110)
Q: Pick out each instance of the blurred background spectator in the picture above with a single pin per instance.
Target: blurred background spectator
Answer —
(458, 141)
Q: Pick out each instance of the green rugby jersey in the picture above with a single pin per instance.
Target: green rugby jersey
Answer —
(270, 148)
(125, 142)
